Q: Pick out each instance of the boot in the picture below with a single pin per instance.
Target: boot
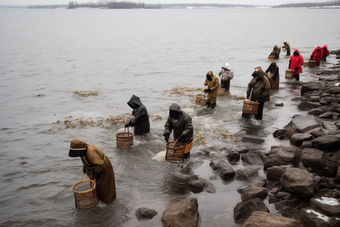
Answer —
(213, 106)
(208, 104)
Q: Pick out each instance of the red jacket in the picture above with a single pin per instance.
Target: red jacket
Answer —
(325, 51)
(296, 61)
(317, 55)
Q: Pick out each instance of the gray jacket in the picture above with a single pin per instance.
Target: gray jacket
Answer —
(140, 122)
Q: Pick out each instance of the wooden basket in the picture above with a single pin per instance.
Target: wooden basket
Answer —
(311, 64)
(201, 99)
(305, 62)
(221, 91)
(250, 107)
(289, 74)
(124, 140)
(175, 152)
(85, 194)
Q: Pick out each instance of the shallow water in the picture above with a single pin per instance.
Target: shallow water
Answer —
(47, 55)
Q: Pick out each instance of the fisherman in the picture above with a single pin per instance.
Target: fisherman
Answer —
(181, 124)
(286, 46)
(317, 55)
(325, 52)
(140, 122)
(212, 82)
(259, 90)
(226, 75)
(295, 63)
(275, 54)
(97, 166)
(275, 79)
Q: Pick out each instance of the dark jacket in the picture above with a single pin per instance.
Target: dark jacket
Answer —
(140, 122)
(259, 87)
(183, 123)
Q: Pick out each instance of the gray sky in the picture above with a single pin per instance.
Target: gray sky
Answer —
(251, 2)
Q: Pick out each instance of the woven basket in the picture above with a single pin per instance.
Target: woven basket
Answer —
(85, 194)
(175, 152)
(221, 91)
(305, 62)
(311, 64)
(124, 140)
(250, 107)
(289, 74)
(201, 99)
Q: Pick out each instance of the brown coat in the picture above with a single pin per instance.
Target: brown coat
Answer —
(259, 87)
(213, 85)
(95, 160)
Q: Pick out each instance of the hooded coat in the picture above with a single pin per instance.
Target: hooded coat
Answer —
(180, 125)
(296, 61)
(213, 85)
(275, 80)
(276, 52)
(325, 52)
(287, 48)
(140, 122)
(226, 74)
(95, 161)
(260, 86)
(317, 55)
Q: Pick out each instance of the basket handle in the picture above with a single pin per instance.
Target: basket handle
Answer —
(127, 131)
(82, 176)
(174, 144)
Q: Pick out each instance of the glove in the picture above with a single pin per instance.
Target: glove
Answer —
(180, 137)
(311, 57)
(96, 175)
(127, 125)
(207, 90)
(248, 94)
(84, 169)
(166, 136)
(297, 68)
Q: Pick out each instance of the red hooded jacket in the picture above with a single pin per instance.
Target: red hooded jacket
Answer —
(296, 61)
(317, 55)
(325, 51)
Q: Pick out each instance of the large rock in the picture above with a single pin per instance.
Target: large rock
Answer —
(326, 142)
(306, 87)
(313, 218)
(264, 219)
(254, 157)
(252, 139)
(233, 157)
(182, 214)
(243, 210)
(305, 106)
(298, 181)
(316, 160)
(328, 206)
(334, 90)
(225, 171)
(282, 156)
(298, 138)
(276, 172)
(302, 123)
(145, 213)
(291, 207)
(197, 185)
(246, 173)
(253, 192)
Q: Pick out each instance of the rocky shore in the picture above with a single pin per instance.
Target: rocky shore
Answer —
(302, 179)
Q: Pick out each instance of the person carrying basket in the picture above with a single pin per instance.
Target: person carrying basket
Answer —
(212, 82)
(97, 166)
(140, 120)
(181, 124)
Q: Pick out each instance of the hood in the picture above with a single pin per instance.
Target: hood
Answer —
(175, 107)
(226, 66)
(297, 51)
(77, 148)
(325, 46)
(135, 100)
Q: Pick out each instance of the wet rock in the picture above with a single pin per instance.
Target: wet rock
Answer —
(254, 157)
(303, 123)
(289, 134)
(314, 99)
(278, 104)
(253, 192)
(302, 99)
(337, 177)
(197, 185)
(233, 157)
(334, 90)
(252, 139)
(291, 207)
(311, 217)
(327, 142)
(264, 219)
(306, 144)
(316, 160)
(298, 138)
(327, 115)
(317, 132)
(316, 111)
(243, 210)
(225, 171)
(276, 172)
(258, 182)
(279, 132)
(246, 173)
(243, 151)
(305, 106)
(145, 213)
(282, 156)
(298, 181)
(283, 195)
(337, 124)
(306, 87)
(328, 77)
(182, 214)
(326, 185)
